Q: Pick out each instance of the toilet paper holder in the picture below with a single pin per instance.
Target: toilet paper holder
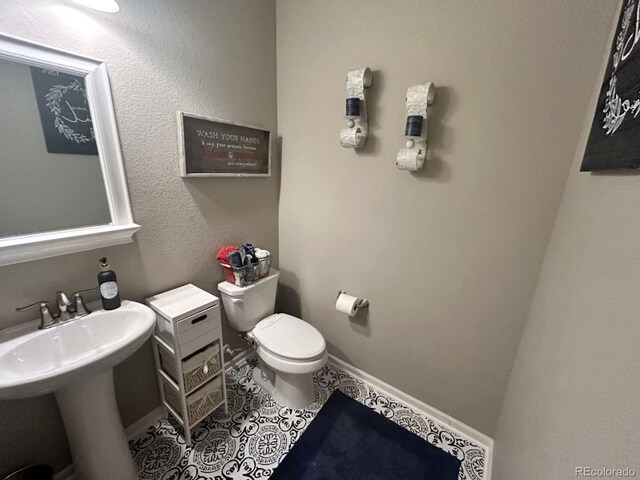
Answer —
(362, 302)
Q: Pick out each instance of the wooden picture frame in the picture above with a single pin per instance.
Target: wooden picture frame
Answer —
(213, 147)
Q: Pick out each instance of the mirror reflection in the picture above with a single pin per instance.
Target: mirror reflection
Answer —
(50, 173)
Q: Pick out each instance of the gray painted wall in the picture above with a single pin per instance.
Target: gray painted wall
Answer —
(448, 257)
(41, 191)
(210, 58)
(573, 395)
(445, 321)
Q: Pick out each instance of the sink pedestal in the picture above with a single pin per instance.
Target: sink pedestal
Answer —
(99, 446)
(75, 361)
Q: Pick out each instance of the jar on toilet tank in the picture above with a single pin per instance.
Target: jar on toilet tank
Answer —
(264, 262)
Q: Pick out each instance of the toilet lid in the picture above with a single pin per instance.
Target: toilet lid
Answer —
(288, 336)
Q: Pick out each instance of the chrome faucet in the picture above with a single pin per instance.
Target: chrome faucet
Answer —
(47, 320)
(67, 310)
(80, 309)
(63, 303)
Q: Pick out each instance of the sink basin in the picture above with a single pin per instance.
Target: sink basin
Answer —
(75, 361)
(43, 361)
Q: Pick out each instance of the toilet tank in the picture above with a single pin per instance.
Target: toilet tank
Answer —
(246, 306)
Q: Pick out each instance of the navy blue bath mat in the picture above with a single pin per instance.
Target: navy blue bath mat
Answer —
(348, 441)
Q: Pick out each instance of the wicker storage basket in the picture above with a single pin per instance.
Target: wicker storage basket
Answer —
(196, 369)
(200, 403)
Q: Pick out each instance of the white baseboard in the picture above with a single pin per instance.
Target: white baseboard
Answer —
(141, 425)
(419, 406)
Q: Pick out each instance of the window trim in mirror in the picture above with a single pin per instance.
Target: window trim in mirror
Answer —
(23, 248)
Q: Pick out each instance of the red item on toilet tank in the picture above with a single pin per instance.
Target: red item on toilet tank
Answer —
(222, 260)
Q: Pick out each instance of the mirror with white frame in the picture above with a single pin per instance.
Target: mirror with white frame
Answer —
(62, 182)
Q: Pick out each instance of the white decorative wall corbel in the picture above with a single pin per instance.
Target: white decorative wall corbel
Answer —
(355, 135)
(419, 97)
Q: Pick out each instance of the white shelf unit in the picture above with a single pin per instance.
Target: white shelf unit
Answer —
(187, 347)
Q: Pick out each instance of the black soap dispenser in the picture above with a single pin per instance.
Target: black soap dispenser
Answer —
(108, 286)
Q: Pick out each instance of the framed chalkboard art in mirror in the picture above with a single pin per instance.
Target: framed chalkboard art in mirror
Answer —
(210, 147)
(614, 140)
(64, 112)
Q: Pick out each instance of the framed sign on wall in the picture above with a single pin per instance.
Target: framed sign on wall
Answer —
(211, 147)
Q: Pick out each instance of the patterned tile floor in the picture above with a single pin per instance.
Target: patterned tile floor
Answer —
(249, 443)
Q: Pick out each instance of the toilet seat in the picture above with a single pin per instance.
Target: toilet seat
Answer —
(289, 338)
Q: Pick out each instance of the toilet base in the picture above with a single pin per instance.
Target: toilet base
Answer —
(293, 390)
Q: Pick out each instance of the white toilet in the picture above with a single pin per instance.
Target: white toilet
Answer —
(289, 349)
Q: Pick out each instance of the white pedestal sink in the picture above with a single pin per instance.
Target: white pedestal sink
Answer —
(75, 361)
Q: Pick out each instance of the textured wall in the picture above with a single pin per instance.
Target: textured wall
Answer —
(448, 257)
(211, 58)
(573, 394)
(38, 189)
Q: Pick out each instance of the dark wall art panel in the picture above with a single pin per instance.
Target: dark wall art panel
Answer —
(614, 140)
(64, 112)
